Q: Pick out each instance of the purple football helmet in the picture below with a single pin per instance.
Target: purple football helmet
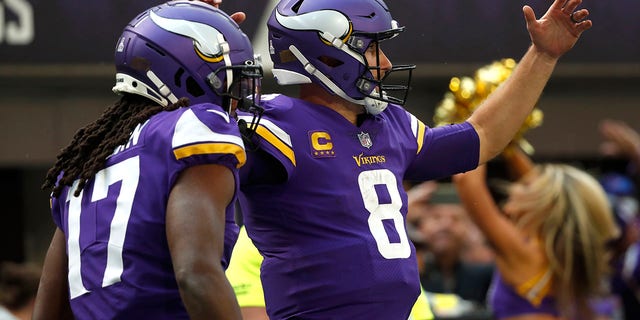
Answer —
(324, 41)
(188, 49)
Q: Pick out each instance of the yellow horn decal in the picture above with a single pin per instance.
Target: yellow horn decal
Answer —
(206, 58)
(344, 40)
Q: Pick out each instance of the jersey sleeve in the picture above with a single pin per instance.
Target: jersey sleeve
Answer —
(206, 134)
(54, 204)
(244, 272)
(57, 204)
(443, 151)
(274, 140)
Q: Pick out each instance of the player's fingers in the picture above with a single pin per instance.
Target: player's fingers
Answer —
(558, 4)
(529, 15)
(570, 6)
(238, 17)
(579, 15)
(584, 25)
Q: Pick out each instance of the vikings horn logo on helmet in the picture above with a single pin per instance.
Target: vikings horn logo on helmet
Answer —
(333, 27)
(206, 39)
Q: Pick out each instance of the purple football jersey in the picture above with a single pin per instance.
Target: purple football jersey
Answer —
(119, 261)
(333, 236)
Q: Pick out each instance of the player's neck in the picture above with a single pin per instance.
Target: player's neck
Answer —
(318, 95)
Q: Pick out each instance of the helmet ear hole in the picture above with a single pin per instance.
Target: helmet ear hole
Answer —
(177, 76)
(286, 56)
(330, 62)
(296, 7)
(193, 88)
(141, 64)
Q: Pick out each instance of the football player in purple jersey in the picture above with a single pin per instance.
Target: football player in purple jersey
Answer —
(143, 196)
(323, 181)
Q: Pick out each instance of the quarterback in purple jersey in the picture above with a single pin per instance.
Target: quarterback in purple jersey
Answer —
(143, 197)
(322, 188)
(338, 242)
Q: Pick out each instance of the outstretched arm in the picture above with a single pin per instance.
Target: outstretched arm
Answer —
(501, 115)
(195, 226)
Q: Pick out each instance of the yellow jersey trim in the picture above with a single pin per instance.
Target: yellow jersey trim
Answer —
(286, 150)
(420, 135)
(212, 148)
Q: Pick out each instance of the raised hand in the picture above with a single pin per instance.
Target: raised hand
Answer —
(558, 30)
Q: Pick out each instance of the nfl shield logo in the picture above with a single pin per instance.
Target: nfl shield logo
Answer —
(365, 139)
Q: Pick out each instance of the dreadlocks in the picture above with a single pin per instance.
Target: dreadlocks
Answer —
(92, 144)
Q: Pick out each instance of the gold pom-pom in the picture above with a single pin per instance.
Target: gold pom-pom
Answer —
(466, 94)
